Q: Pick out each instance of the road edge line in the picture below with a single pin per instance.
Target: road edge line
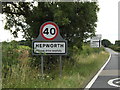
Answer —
(96, 76)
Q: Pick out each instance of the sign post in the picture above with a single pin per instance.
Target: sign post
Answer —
(42, 65)
(49, 42)
(60, 66)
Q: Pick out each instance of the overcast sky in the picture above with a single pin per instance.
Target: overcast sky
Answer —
(108, 19)
(107, 24)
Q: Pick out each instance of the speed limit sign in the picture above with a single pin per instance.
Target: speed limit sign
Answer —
(49, 41)
(49, 30)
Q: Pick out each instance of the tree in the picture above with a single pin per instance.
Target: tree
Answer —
(106, 43)
(117, 42)
(76, 20)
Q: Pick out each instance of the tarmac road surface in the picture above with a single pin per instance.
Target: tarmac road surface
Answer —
(109, 77)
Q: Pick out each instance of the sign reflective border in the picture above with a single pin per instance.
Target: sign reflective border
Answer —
(49, 48)
(49, 30)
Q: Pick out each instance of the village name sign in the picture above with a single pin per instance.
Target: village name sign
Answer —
(49, 41)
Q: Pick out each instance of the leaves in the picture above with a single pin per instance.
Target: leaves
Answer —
(76, 20)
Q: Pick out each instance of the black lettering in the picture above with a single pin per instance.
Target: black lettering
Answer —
(55, 45)
(40, 45)
(62, 45)
(47, 45)
(51, 46)
(44, 45)
(37, 45)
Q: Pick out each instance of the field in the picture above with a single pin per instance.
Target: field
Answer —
(21, 70)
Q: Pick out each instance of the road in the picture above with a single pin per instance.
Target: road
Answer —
(109, 76)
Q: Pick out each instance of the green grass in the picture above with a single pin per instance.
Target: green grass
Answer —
(115, 48)
(75, 73)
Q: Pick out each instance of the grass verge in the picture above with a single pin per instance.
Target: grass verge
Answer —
(74, 75)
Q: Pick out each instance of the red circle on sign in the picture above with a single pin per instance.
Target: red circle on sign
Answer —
(56, 30)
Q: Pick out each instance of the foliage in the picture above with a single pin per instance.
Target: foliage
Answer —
(76, 71)
(117, 42)
(106, 43)
(87, 50)
(24, 47)
(9, 52)
(12, 54)
(24, 42)
(76, 20)
(115, 47)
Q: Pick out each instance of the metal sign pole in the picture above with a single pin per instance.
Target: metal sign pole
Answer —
(99, 46)
(60, 66)
(42, 65)
(99, 43)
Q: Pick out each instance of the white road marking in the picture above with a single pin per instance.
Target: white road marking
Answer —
(110, 82)
(118, 82)
(112, 51)
(96, 76)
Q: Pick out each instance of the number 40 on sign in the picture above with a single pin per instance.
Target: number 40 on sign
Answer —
(49, 31)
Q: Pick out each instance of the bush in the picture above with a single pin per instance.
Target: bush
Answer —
(115, 47)
(106, 43)
(75, 68)
(9, 53)
(9, 56)
(87, 50)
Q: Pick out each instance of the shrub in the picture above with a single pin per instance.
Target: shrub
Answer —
(115, 47)
(9, 53)
(87, 50)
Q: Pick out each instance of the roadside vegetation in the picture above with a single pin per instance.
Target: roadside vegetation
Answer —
(115, 47)
(21, 70)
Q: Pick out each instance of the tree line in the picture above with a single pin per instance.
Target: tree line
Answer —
(107, 43)
(76, 20)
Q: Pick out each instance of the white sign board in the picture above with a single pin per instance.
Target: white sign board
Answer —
(49, 47)
(96, 41)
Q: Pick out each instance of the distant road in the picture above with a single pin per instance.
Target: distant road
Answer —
(109, 76)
